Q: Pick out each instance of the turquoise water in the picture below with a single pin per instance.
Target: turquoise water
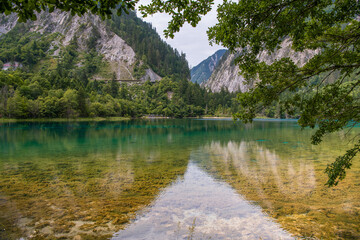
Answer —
(173, 179)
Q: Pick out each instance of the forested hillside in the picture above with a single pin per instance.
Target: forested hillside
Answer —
(147, 44)
(126, 45)
(65, 70)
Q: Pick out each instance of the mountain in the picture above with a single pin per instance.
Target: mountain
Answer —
(49, 69)
(124, 47)
(227, 74)
(203, 70)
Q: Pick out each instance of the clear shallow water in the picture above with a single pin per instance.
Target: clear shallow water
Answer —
(200, 207)
(173, 179)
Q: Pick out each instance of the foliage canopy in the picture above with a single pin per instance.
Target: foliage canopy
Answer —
(26, 9)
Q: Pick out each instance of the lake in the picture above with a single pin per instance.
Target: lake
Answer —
(173, 179)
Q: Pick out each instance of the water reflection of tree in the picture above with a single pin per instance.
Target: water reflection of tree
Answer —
(288, 187)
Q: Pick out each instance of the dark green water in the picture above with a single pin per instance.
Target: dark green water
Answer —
(173, 179)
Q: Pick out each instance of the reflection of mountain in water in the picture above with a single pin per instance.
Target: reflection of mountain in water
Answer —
(200, 207)
(288, 185)
(255, 162)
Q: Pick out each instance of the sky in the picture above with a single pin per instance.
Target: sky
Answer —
(191, 41)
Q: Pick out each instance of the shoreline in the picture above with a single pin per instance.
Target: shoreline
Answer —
(113, 119)
(216, 117)
(96, 119)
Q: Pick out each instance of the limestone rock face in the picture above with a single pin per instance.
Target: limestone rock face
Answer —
(227, 74)
(120, 56)
(203, 70)
(7, 23)
(151, 76)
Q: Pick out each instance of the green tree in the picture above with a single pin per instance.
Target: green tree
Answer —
(124, 92)
(97, 109)
(34, 108)
(4, 95)
(26, 9)
(181, 11)
(17, 106)
(70, 100)
(114, 86)
(82, 103)
(51, 107)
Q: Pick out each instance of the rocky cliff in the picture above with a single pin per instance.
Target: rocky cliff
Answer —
(227, 74)
(120, 58)
(203, 70)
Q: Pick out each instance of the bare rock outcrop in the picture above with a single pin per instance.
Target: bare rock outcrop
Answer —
(227, 74)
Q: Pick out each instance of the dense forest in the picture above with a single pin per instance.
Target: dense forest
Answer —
(42, 95)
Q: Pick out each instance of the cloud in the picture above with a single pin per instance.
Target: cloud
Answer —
(191, 41)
